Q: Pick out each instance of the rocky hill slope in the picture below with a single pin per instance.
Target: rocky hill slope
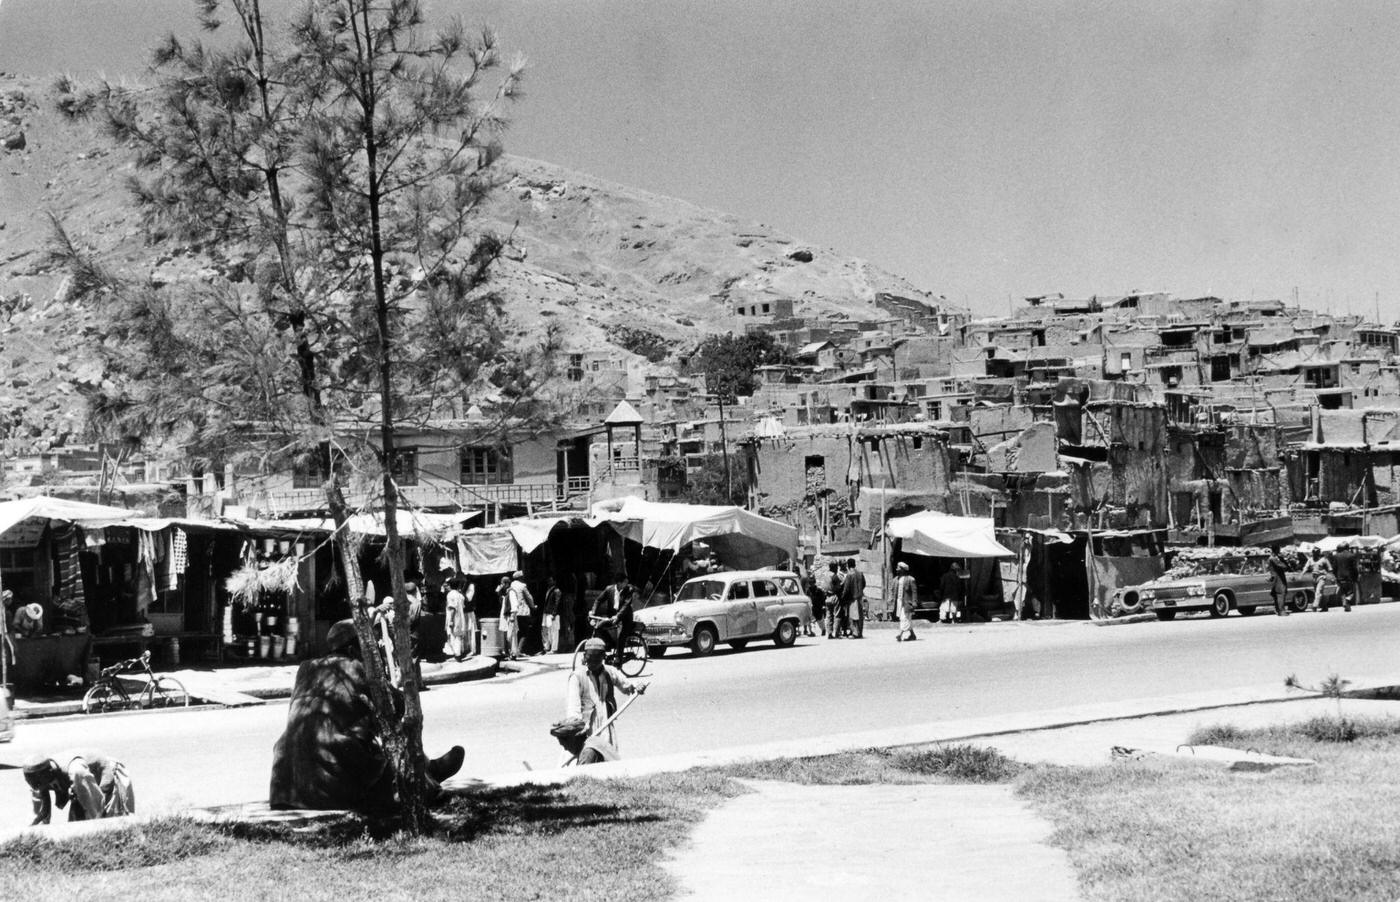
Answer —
(592, 255)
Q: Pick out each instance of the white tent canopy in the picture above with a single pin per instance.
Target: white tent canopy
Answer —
(1332, 543)
(741, 538)
(410, 523)
(942, 535)
(12, 513)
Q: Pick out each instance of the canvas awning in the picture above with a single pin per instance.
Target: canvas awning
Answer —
(13, 513)
(497, 549)
(741, 538)
(942, 535)
(409, 522)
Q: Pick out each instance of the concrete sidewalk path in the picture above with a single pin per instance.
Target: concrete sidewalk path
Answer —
(784, 841)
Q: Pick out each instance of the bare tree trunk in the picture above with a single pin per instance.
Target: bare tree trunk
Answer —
(404, 745)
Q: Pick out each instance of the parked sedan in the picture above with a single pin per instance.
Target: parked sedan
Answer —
(736, 607)
(1213, 592)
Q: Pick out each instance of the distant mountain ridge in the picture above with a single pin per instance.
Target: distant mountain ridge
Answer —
(589, 254)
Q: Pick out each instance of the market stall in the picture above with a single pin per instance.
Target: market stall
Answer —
(930, 542)
(48, 633)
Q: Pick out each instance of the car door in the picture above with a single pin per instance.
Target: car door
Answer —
(768, 606)
(741, 612)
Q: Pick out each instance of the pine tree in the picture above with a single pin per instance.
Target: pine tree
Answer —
(334, 176)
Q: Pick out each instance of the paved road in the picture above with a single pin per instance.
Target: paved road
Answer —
(736, 698)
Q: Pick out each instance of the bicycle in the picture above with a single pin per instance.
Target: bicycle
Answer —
(108, 693)
(628, 655)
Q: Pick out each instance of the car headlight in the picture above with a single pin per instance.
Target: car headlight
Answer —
(1196, 589)
(1147, 594)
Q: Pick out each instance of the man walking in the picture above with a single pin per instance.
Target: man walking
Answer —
(906, 598)
(1278, 582)
(1344, 566)
(1321, 570)
(855, 598)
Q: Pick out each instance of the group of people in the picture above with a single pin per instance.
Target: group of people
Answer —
(1340, 567)
(838, 601)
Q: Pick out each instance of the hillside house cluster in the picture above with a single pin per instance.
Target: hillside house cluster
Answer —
(1077, 426)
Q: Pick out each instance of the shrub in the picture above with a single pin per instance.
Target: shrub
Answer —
(969, 763)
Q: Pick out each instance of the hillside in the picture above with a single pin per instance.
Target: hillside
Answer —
(590, 254)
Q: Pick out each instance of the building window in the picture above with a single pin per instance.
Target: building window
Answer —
(486, 466)
(766, 308)
(404, 466)
(575, 371)
(307, 474)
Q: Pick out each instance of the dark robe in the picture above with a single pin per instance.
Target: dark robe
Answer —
(330, 756)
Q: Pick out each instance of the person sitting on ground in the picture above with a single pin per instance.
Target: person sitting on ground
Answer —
(331, 756)
(97, 785)
(591, 695)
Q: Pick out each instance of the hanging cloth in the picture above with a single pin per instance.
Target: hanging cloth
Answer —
(146, 555)
(178, 559)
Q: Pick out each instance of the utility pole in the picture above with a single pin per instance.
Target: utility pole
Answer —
(724, 449)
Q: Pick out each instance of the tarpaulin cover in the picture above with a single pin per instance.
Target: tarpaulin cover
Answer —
(1332, 543)
(484, 551)
(13, 513)
(1107, 573)
(943, 535)
(739, 537)
(531, 534)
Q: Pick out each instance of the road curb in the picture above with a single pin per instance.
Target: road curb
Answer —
(474, 669)
(1127, 618)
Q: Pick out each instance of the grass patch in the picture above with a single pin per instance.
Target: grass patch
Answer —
(585, 840)
(1317, 729)
(1152, 830)
(145, 845)
(955, 763)
(963, 763)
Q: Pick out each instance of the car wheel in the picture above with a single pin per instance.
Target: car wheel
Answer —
(1165, 615)
(1246, 610)
(1220, 604)
(1300, 602)
(738, 644)
(785, 634)
(704, 641)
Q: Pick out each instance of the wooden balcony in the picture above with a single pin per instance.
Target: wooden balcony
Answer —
(461, 497)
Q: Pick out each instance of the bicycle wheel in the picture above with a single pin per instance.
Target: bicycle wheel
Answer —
(168, 692)
(103, 697)
(632, 656)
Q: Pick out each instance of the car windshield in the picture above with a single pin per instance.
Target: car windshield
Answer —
(701, 588)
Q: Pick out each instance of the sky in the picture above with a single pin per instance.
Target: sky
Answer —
(985, 150)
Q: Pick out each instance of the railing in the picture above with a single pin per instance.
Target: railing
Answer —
(463, 497)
